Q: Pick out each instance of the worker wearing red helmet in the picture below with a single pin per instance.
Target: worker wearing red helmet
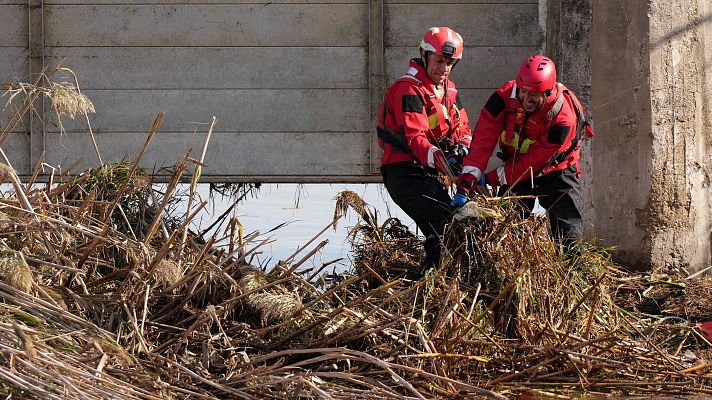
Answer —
(538, 124)
(423, 130)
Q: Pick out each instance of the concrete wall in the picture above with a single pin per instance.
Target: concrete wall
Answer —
(651, 104)
(13, 66)
(291, 82)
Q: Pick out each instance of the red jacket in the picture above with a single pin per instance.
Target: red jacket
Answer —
(530, 141)
(419, 119)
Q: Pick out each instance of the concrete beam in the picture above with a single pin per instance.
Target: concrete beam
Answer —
(567, 42)
(36, 50)
(376, 77)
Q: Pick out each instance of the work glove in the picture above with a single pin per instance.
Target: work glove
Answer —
(455, 165)
(444, 144)
(460, 199)
(461, 150)
(464, 182)
(456, 156)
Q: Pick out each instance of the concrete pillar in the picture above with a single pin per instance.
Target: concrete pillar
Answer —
(567, 43)
(651, 99)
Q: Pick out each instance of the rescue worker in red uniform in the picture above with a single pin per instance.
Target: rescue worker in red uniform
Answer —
(423, 130)
(538, 124)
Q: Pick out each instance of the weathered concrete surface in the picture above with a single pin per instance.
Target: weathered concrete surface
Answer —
(651, 103)
(291, 74)
(678, 209)
(567, 42)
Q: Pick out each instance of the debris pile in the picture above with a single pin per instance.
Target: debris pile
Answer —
(107, 292)
(103, 298)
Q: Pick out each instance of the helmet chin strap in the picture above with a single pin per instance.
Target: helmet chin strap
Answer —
(550, 94)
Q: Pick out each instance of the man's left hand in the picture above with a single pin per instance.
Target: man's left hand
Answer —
(456, 156)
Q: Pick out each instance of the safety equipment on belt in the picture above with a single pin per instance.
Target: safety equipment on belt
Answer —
(459, 150)
(443, 41)
(537, 74)
(436, 159)
(516, 121)
(582, 127)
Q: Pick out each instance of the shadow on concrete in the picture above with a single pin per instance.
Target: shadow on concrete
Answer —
(706, 63)
(692, 25)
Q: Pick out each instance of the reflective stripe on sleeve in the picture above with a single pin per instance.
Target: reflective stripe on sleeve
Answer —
(431, 157)
(501, 176)
(476, 172)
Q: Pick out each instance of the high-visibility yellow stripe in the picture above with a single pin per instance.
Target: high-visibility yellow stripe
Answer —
(515, 140)
(525, 145)
(433, 121)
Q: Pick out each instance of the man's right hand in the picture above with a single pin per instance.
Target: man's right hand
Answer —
(464, 185)
(464, 182)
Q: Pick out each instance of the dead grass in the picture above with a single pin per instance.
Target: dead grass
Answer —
(120, 299)
(14, 270)
(68, 101)
(505, 315)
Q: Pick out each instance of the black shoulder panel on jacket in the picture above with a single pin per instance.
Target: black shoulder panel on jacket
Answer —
(495, 104)
(412, 103)
(558, 133)
(458, 101)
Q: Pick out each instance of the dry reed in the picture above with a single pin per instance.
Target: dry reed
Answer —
(14, 270)
(107, 313)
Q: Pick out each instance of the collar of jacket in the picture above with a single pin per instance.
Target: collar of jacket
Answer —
(417, 70)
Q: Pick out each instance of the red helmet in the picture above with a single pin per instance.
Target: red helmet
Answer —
(443, 41)
(537, 74)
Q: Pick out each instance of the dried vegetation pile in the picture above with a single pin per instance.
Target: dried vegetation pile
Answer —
(107, 293)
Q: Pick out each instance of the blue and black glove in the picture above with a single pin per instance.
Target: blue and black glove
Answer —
(460, 199)
(455, 157)
(483, 180)
(464, 184)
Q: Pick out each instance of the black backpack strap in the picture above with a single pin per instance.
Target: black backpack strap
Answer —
(395, 139)
(580, 126)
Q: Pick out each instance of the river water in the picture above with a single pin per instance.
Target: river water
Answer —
(306, 210)
(303, 211)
